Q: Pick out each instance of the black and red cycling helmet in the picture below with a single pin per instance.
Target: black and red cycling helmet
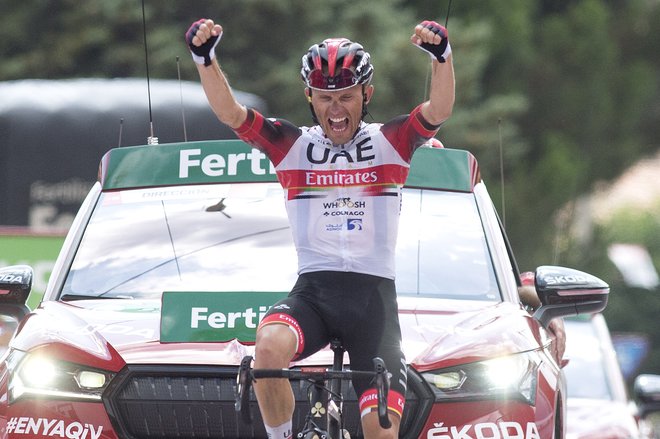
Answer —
(336, 63)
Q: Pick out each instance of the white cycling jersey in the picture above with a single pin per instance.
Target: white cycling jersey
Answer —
(343, 201)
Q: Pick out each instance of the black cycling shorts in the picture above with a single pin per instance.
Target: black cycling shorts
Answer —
(359, 309)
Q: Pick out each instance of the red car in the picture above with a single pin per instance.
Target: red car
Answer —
(179, 249)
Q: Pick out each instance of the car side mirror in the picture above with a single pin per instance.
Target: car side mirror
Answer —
(646, 391)
(567, 292)
(15, 283)
(15, 286)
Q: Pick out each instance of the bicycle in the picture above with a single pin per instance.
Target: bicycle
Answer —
(324, 392)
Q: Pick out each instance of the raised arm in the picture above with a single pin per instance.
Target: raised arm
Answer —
(433, 38)
(202, 38)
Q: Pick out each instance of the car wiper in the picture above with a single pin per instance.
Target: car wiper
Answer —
(169, 233)
(74, 297)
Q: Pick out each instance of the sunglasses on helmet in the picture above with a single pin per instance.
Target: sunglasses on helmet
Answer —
(344, 79)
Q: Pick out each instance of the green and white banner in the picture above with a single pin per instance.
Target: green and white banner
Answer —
(213, 316)
(38, 250)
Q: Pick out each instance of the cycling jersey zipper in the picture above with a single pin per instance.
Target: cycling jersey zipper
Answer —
(344, 242)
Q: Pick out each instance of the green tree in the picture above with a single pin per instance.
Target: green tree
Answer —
(578, 87)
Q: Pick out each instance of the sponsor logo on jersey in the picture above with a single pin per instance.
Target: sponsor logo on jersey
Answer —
(340, 178)
(349, 224)
(344, 213)
(363, 152)
(336, 227)
(341, 203)
(354, 224)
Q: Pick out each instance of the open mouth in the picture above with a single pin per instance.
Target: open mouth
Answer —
(338, 124)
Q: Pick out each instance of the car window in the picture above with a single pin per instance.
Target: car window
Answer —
(236, 237)
(442, 249)
(140, 243)
(585, 372)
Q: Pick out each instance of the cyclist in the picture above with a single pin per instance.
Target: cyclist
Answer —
(346, 270)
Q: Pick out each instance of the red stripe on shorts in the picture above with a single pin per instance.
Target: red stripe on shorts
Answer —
(369, 402)
(291, 323)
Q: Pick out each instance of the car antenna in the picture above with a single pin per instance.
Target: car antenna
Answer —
(499, 129)
(428, 68)
(447, 17)
(151, 140)
(183, 113)
(121, 131)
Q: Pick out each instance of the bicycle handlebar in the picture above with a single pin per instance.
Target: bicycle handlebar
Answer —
(246, 375)
(311, 374)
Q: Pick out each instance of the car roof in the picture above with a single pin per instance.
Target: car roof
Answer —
(234, 161)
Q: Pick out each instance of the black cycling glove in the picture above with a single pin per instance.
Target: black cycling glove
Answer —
(437, 51)
(206, 52)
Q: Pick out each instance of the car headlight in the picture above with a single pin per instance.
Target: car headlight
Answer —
(510, 377)
(35, 375)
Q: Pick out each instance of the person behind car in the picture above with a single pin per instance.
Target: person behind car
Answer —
(346, 269)
(530, 298)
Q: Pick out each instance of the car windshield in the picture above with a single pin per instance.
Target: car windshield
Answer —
(139, 243)
(585, 372)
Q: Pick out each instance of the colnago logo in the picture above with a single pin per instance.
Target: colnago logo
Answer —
(344, 213)
(52, 428)
(485, 430)
(215, 165)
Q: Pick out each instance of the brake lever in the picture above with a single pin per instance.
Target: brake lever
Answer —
(382, 389)
(243, 383)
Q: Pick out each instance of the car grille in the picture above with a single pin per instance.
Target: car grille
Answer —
(162, 402)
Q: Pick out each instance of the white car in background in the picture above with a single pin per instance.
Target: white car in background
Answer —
(598, 403)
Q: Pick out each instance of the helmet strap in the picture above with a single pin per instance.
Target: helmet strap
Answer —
(314, 118)
(311, 107)
(364, 102)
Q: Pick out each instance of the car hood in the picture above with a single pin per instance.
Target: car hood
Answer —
(598, 418)
(108, 333)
